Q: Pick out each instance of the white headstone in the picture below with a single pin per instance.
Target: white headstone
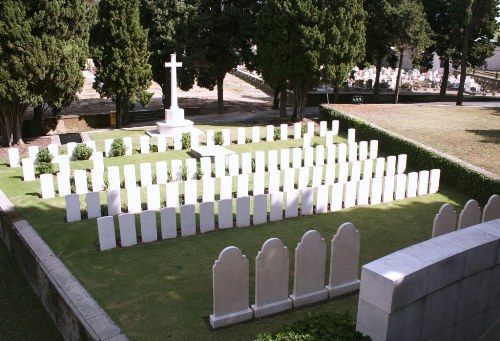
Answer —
(128, 234)
(309, 275)
(379, 167)
(255, 134)
(176, 170)
(208, 190)
(330, 154)
(303, 178)
(435, 176)
(161, 172)
(284, 159)
(134, 199)
(355, 171)
(363, 150)
(376, 191)
(269, 133)
(210, 137)
(260, 162)
(491, 210)
(329, 138)
(172, 194)
(322, 128)
(445, 221)
(177, 140)
(220, 166)
(148, 226)
(363, 192)
(127, 141)
(234, 164)
(106, 232)
(114, 178)
(153, 197)
(391, 166)
(243, 212)
(206, 167)
(64, 166)
(191, 169)
(107, 147)
(335, 127)
(93, 200)
(259, 214)
(272, 160)
(337, 195)
(28, 169)
(401, 166)
(296, 157)
(353, 151)
(73, 212)
(411, 185)
(350, 194)
(14, 157)
(258, 183)
(388, 193)
(292, 204)
(54, 151)
(271, 279)
(230, 289)
(289, 180)
(351, 136)
(423, 183)
(373, 149)
(246, 163)
(297, 131)
(98, 161)
(161, 142)
(114, 202)
(225, 213)
(310, 128)
(400, 186)
(320, 155)
(283, 132)
(368, 169)
(322, 199)
(242, 189)
(274, 181)
(226, 187)
(226, 136)
(344, 261)
(188, 220)
(307, 197)
(191, 192)
(342, 150)
(343, 172)
(63, 185)
(330, 174)
(168, 222)
(144, 144)
(207, 217)
(130, 177)
(306, 142)
(195, 139)
(47, 186)
(317, 177)
(97, 176)
(33, 152)
(81, 181)
(470, 215)
(276, 212)
(241, 135)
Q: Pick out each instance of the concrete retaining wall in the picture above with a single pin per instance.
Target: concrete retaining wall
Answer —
(73, 310)
(446, 288)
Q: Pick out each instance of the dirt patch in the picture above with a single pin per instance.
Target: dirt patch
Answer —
(468, 133)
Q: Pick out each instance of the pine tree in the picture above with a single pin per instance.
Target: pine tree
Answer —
(121, 54)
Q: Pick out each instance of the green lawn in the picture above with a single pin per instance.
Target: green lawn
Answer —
(163, 290)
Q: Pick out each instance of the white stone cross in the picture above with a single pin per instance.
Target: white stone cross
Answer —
(173, 82)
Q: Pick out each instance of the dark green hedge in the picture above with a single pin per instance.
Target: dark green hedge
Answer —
(471, 183)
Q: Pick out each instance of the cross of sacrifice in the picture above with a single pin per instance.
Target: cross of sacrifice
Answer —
(173, 82)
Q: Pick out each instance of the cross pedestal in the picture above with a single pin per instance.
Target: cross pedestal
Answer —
(174, 117)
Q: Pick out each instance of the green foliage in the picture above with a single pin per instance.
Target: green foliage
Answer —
(143, 97)
(473, 184)
(153, 148)
(43, 155)
(327, 326)
(277, 134)
(218, 138)
(121, 54)
(303, 129)
(183, 173)
(199, 171)
(82, 152)
(186, 140)
(118, 148)
(43, 162)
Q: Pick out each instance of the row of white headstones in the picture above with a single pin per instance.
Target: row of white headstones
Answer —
(231, 276)
(301, 157)
(161, 142)
(446, 220)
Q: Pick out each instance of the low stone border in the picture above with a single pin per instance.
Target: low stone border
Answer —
(74, 312)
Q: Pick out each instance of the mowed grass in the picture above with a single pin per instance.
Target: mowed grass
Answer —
(468, 133)
(163, 290)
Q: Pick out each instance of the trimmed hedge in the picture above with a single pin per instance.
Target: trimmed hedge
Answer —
(468, 181)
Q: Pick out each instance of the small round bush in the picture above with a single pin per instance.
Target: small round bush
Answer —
(186, 140)
(82, 152)
(218, 138)
(43, 162)
(43, 155)
(118, 148)
(277, 134)
(153, 148)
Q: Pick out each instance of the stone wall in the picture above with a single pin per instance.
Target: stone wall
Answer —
(446, 288)
(73, 310)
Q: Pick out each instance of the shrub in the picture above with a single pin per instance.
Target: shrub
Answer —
(319, 326)
(82, 152)
(218, 138)
(186, 140)
(248, 140)
(470, 182)
(118, 148)
(153, 148)
(199, 171)
(253, 165)
(277, 134)
(183, 172)
(303, 129)
(43, 162)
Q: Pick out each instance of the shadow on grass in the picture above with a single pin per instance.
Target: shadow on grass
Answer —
(491, 136)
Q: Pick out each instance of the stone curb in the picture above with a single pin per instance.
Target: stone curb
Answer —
(75, 313)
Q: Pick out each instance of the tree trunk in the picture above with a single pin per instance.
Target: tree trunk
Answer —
(336, 94)
(283, 113)
(398, 79)
(119, 108)
(36, 126)
(12, 113)
(220, 95)
(446, 75)
(376, 86)
(276, 100)
(299, 99)
(126, 112)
